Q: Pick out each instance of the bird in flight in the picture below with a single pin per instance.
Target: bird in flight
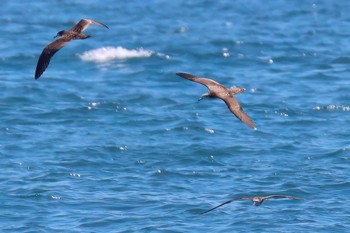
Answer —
(64, 37)
(256, 200)
(217, 90)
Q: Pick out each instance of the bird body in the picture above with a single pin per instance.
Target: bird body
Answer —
(64, 37)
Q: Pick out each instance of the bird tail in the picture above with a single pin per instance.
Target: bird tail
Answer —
(83, 36)
(236, 90)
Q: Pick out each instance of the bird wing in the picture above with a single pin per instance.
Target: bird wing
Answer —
(84, 23)
(227, 202)
(46, 55)
(209, 83)
(283, 196)
(237, 110)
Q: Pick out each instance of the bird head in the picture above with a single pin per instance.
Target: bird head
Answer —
(60, 33)
(257, 201)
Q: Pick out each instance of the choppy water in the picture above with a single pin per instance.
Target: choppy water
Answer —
(109, 139)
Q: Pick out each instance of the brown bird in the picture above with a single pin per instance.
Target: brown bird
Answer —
(256, 200)
(64, 37)
(217, 90)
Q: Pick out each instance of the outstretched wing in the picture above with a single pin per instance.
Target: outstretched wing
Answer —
(227, 202)
(237, 110)
(209, 83)
(283, 196)
(47, 54)
(84, 23)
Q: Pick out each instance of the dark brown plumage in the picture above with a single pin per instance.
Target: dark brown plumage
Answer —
(256, 200)
(217, 90)
(65, 36)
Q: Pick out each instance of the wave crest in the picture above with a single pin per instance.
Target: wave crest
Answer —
(105, 54)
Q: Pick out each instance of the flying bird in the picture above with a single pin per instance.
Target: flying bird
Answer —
(217, 90)
(64, 37)
(256, 200)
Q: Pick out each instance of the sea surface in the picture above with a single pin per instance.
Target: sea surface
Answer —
(110, 139)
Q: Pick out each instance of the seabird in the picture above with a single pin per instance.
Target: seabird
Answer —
(217, 90)
(256, 200)
(64, 37)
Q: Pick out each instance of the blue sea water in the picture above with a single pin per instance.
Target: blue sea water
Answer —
(109, 139)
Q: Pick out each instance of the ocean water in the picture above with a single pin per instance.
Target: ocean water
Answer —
(109, 139)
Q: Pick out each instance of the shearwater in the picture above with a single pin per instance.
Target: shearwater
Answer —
(64, 37)
(217, 90)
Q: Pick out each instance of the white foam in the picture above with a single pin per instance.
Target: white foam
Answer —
(109, 53)
(209, 130)
(333, 107)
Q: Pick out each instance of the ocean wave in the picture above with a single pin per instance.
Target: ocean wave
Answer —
(109, 53)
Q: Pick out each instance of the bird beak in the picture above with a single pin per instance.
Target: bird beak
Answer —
(55, 36)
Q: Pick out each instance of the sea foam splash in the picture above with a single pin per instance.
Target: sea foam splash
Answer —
(333, 107)
(109, 53)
